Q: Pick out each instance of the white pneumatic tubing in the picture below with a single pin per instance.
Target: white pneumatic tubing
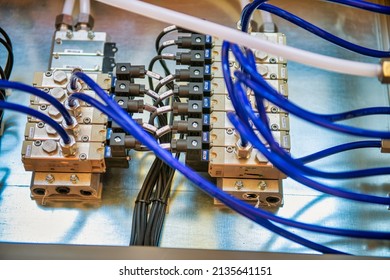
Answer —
(235, 36)
(85, 7)
(68, 7)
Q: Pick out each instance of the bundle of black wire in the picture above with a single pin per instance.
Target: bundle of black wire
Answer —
(152, 200)
(5, 72)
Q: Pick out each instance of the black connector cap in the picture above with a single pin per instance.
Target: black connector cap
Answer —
(126, 88)
(195, 42)
(194, 58)
(126, 71)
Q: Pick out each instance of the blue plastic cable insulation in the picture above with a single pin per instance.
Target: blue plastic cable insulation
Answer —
(364, 5)
(241, 207)
(37, 92)
(322, 33)
(264, 130)
(241, 104)
(28, 111)
(315, 30)
(127, 123)
(269, 93)
(226, 73)
(338, 149)
(290, 166)
(247, 13)
(296, 170)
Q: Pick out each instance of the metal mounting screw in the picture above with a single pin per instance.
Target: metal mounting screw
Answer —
(198, 39)
(195, 124)
(117, 139)
(84, 138)
(123, 68)
(197, 55)
(194, 143)
(272, 60)
(229, 149)
(239, 185)
(41, 125)
(43, 107)
(91, 35)
(262, 185)
(83, 156)
(69, 34)
(230, 131)
(48, 74)
(196, 88)
(122, 86)
(37, 143)
(195, 106)
(121, 102)
(74, 178)
(196, 72)
(274, 127)
(58, 41)
(50, 178)
(273, 76)
(87, 120)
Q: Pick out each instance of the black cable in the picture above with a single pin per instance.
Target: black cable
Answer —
(150, 68)
(162, 62)
(6, 37)
(10, 59)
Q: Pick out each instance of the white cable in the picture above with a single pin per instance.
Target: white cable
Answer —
(85, 7)
(235, 36)
(68, 7)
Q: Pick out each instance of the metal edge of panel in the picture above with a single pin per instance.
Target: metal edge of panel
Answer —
(23, 251)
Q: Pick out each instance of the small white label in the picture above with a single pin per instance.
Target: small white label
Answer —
(168, 43)
(169, 28)
(284, 122)
(31, 133)
(76, 51)
(149, 127)
(166, 94)
(28, 151)
(153, 75)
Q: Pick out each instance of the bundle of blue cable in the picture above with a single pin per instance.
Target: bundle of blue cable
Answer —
(259, 216)
(262, 5)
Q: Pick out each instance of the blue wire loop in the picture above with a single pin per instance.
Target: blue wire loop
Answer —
(256, 215)
(268, 92)
(364, 5)
(262, 5)
(338, 149)
(29, 111)
(322, 33)
(32, 90)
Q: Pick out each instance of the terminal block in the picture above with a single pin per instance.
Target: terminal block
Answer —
(70, 171)
(242, 171)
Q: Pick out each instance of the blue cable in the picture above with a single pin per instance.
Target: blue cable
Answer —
(322, 33)
(291, 167)
(364, 5)
(127, 122)
(32, 90)
(338, 149)
(264, 130)
(248, 211)
(269, 93)
(28, 111)
(294, 169)
(226, 73)
(260, 4)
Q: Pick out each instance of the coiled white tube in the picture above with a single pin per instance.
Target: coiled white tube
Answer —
(235, 36)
